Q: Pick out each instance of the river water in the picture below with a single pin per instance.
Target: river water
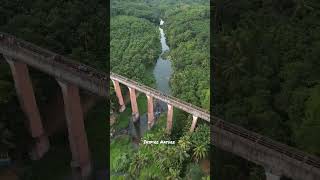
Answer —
(162, 73)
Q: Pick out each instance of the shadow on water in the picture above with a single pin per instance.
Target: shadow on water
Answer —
(140, 127)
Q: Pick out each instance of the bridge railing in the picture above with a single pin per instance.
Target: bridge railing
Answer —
(266, 142)
(62, 62)
(204, 114)
(159, 93)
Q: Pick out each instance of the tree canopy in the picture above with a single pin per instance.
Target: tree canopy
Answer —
(134, 47)
(187, 29)
(267, 70)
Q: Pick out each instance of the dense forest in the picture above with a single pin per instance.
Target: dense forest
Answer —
(267, 74)
(76, 29)
(135, 47)
(187, 30)
(133, 55)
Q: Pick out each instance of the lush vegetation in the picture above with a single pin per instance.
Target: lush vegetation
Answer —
(267, 73)
(76, 29)
(161, 161)
(135, 47)
(137, 8)
(187, 30)
(73, 28)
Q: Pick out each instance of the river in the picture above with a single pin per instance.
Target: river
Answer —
(162, 73)
(163, 70)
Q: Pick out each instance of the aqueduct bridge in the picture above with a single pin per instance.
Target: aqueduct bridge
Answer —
(277, 159)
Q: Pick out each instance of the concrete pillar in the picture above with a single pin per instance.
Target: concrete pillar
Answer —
(150, 112)
(81, 163)
(28, 103)
(194, 122)
(119, 95)
(134, 105)
(271, 176)
(169, 118)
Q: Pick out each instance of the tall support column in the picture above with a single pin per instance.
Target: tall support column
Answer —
(134, 105)
(119, 95)
(169, 118)
(150, 112)
(194, 122)
(28, 103)
(81, 163)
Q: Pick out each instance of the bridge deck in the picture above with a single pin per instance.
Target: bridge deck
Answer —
(187, 107)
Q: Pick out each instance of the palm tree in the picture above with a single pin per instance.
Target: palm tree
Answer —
(185, 143)
(200, 152)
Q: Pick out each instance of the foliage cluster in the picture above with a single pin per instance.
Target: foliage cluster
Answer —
(165, 161)
(187, 31)
(134, 47)
(267, 70)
